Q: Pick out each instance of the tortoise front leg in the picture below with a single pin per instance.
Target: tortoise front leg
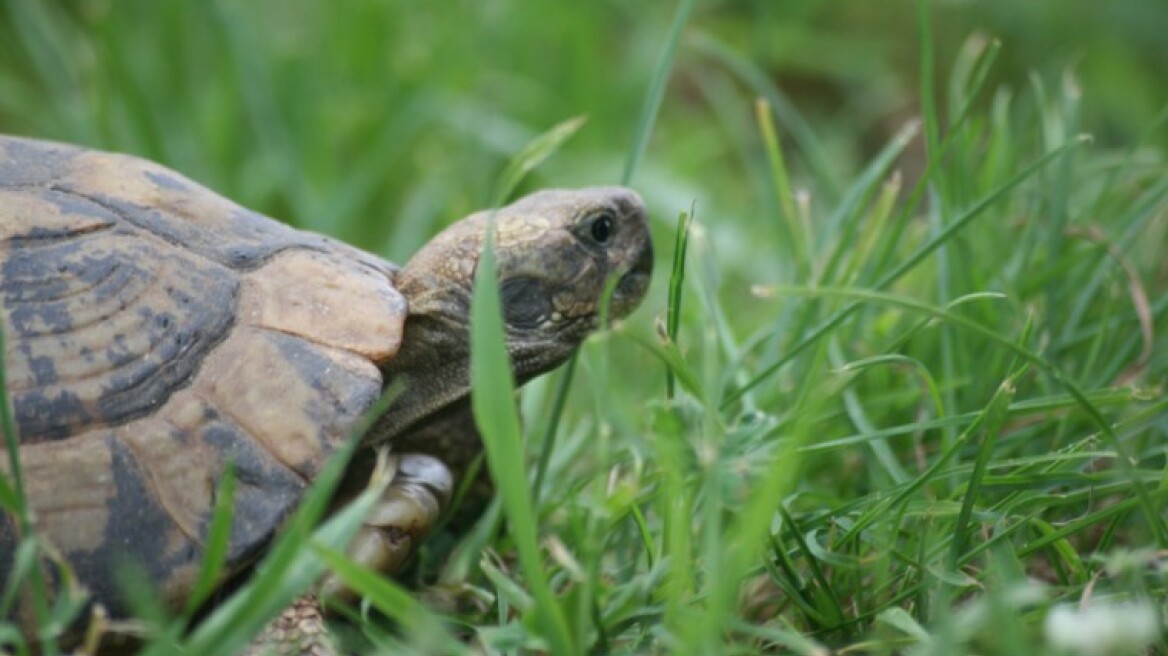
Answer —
(410, 506)
(408, 509)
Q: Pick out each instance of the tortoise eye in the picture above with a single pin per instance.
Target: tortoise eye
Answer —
(601, 227)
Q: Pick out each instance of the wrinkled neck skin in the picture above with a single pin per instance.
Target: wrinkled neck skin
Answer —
(432, 374)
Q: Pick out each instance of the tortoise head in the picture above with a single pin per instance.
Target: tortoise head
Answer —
(557, 252)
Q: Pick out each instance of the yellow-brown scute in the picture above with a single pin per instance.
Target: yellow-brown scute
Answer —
(296, 400)
(346, 306)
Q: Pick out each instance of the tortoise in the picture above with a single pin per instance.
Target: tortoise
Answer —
(156, 331)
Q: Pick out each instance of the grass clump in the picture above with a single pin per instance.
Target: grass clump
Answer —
(910, 404)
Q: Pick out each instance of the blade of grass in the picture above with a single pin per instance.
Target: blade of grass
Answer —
(549, 436)
(856, 413)
(799, 233)
(844, 220)
(676, 279)
(971, 80)
(996, 414)
(873, 231)
(36, 579)
(928, 93)
(495, 414)
(646, 536)
(493, 400)
(532, 155)
(671, 357)
(782, 571)
(394, 601)
(217, 542)
(814, 152)
(15, 488)
(904, 267)
(289, 568)
(656, 90)
(1155, 522)
(675, 506)
(834, 612)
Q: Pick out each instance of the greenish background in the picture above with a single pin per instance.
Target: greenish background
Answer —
(990, 414)
(377, 121)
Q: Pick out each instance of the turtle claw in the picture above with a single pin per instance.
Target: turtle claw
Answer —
(409, 507)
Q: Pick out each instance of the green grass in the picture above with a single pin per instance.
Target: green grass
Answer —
(898, 386)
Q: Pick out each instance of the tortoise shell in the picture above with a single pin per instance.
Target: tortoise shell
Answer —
(156, 331)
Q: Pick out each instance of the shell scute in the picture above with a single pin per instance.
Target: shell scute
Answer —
(297, 399)
(348, 306)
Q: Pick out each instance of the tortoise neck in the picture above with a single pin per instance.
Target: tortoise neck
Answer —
(431, 373)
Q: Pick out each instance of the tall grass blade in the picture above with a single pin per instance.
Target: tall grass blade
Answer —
(38, 591)
(394, 601)
(549, 435)
(910, 263)
(656, 90)
(798, 231)
(289, 568)
(217, 541)
(928, 92)
(287, 571)
(493, 402)
(532, 155)
(496, 416)
(811, 147)
(676, 280)
(996, 413)
(844, 221)
(14, 478)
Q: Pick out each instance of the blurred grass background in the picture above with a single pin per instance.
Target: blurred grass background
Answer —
(381, 121)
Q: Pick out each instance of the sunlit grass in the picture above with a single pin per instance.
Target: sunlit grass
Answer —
(900, 404)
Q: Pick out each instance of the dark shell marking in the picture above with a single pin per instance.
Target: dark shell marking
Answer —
(149, 344)
(103, 324)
